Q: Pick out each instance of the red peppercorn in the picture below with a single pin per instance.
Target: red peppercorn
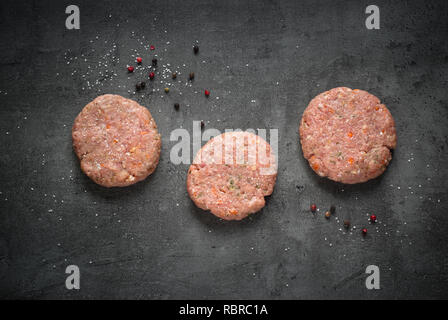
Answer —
(313, 208)
(151, 75)
(207, 93)
(139, 60)
(364, 231)
(373, 218)
(131, 69)
(152, 47)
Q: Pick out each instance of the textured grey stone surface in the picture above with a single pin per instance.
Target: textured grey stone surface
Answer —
(265, 60)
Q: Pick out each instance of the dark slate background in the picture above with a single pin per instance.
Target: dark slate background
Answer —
(265, 60)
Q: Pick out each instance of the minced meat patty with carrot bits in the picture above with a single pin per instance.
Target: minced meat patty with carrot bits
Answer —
(231, 175)
(347, 135)
(116, 140)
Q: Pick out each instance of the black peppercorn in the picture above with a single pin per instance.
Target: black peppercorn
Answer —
(176, 106)
(195, 49)
(174, 75)
(191, 75)
(332, 209)
(142, 84)
(138, 86)
(346, 224)
(154, 62)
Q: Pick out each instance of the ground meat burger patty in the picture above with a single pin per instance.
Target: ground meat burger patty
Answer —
(347, 135)
(232, 174)
(116, 140)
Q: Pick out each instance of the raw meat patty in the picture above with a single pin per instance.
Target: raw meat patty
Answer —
(116, 140)
(346, 135)
(231, 175)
